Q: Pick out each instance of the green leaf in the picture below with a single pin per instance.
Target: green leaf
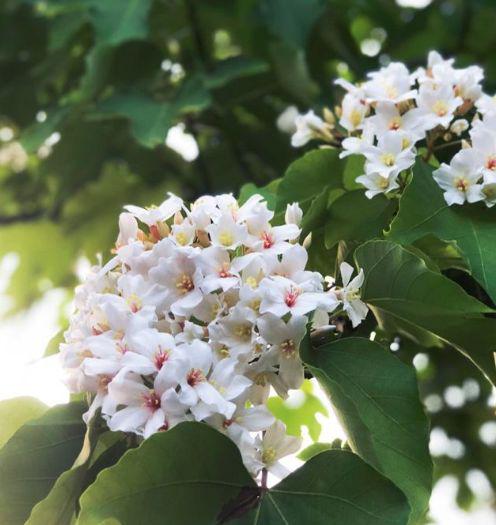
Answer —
(308, 177)
(150, 119)
(52, 347)
(295, 417)
(15, 412)
(399, 285)
(269, 192)
(291, 20)
(333, 487)
(35, 456)
(44, 253)
(59, 507)
(184, 475)
(314, 449)
(424, 211)
(376, 398)
(116, 22)
(353, 217)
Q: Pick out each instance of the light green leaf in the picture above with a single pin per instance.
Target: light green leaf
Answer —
(35, 456)
(15, 412)
(333, 487)
(376, 398)
(184, 475)
(424, 211)
(295, 417)
(399, 285)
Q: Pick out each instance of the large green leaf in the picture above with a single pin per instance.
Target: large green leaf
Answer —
(424, 211)
(399, 285)
(15, 412)
(353, 217)
(333, 487)
(310, 176)
(376, 398)
(183, 476)
(35, 456)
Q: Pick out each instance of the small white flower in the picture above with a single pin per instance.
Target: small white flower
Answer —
(459, 180)
(308, 127)
(376, 183)
(350, 294)
(285, 339)
(286, 120)
(153, 215)
(459, 126)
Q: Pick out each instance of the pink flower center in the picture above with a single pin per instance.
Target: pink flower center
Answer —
(291, 297)
(151, 401)
(160, 358)
(195, 376)
(267, 239)
(224, 271)
(491, 163)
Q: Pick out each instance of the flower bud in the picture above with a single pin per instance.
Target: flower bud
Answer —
(293, 214)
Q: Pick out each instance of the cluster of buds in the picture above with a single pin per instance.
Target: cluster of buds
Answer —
(386, 117)
(199, 316)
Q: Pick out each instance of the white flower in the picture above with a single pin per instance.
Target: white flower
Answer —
(153, 215)
(350, 294)
(183, 323)
(286, 120)
(486, 104)
(459, 180)
(390, 84)
(353, 112)
(281, 296)
(376, 183)
(226, 233)
(275, 445)
(489, 189)
(459, 126)
(285, 339)
(437, 106)
(308, 127)
(387, 118)
(389, 156)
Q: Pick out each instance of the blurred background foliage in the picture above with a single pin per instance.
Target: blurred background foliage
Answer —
(97, 97)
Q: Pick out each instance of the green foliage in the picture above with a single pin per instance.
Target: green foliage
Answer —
(16, 412)
(34, 457)
(424, 211)
(399, 286)
(376, 399)
(109, 79)
(333, 486)
(186, 474)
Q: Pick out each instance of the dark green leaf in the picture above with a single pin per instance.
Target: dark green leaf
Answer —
(398, 284)
(376, 398)
(184, 475)
(35, 456)
(353, 217)
(333, 487)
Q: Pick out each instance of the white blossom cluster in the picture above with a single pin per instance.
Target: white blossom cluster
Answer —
(198, 314)
(388, 115)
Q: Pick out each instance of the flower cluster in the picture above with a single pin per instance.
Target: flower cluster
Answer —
(387, 116)
(199, 313)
